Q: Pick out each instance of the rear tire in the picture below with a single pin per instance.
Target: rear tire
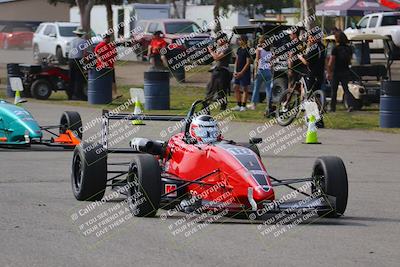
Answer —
(71, 120)
(330, 178)
(144, 193)
(286, 109)
(41, 89)
(279, 86)
(89, 172)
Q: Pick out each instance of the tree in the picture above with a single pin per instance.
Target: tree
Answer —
(309, 10)
(85, 6)
(253, 7)
(217, 6)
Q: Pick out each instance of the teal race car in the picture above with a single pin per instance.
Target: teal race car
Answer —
(18, 128)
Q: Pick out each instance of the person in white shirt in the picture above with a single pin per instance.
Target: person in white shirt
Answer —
(262, 75)
(76, 74)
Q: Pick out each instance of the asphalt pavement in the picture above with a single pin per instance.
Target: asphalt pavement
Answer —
(41, 223)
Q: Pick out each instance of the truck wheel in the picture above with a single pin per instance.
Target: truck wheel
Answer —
(89, 172)
(144, 180)
(41, 89)
(330, 179)
(71, 120)
(59, 56)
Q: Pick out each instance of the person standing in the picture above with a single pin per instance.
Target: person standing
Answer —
(339, 71)
(106, 55)
(296, 66)
(242, 74)
(314, 59)
(157, 59)
(262, 75)
(77, 77)
(219, 85)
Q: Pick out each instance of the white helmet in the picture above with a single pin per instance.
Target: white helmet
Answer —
(204, 129)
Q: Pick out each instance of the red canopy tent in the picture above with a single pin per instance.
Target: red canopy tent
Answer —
(347, 8)
(350, 7)
(394, 4)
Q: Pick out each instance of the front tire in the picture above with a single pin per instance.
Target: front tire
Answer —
(144, 178)
(330, 178)
(41, 89)
(89, 172)
(71, 120)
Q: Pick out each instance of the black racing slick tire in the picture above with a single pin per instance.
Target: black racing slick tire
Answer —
(144, 185)
(89, 172)
(71, 120)
(330, 178)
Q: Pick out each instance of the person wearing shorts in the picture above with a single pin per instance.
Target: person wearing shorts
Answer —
(242, 74)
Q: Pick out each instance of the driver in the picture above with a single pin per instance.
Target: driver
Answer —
(204, 129)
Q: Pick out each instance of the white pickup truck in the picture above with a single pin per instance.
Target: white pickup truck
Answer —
(385, 23)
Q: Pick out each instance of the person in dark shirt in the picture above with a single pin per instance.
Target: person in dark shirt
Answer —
(296, 66)
(314, 59)
(242, 74)
(219, 86)
(338, 70)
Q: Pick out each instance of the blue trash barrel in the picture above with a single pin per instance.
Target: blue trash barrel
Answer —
(390, 105)
(156, 90)
(100, 86)
(12, 71)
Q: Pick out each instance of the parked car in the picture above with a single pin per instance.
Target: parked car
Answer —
(182, 36)
(385, 23)
(53, 38)
(16, 36)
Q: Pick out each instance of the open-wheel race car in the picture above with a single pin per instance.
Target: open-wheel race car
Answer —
(199, 168)
(18, 128)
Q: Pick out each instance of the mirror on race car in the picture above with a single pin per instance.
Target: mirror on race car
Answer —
(16, 84)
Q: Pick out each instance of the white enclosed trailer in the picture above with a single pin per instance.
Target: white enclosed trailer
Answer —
(125, 17)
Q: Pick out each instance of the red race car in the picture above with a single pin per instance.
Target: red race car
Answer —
(16, 37)
(198, 170)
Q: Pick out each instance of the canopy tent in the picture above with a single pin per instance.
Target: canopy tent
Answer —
(349, 7)
(394, 4)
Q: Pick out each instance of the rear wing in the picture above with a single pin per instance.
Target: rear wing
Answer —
(107, 116)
